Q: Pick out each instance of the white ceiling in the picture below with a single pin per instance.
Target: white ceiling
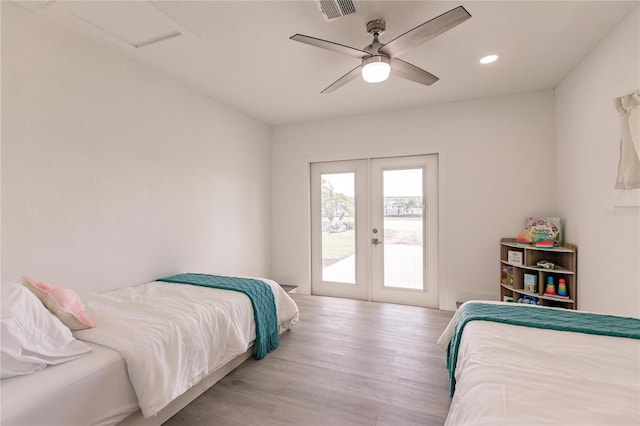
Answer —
(239, 52)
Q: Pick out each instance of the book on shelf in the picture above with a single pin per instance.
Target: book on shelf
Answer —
(530, 283)
(506, 275)
(514, 257)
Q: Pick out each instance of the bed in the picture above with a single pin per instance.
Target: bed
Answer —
(508, 374)
(154, 348)
(91, 390)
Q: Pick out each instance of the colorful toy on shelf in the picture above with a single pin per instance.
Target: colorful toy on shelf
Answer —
(550, 290)
(562, 288)
(544, 244)
(529, 300)
(524, 237)
(543, 232)
(545, 264)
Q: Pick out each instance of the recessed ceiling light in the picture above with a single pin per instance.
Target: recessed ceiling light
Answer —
(488, 59)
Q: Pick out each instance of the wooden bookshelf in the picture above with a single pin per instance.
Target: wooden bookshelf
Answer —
(512, 273)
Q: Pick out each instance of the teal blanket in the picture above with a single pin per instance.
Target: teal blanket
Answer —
(262, 300)
(550, 319)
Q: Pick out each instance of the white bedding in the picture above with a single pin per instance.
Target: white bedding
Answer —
(508, 375)
(91, 390)
(175, 334)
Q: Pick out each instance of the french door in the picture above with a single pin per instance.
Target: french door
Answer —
(374, 229)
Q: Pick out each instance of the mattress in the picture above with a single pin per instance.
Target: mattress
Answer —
(172, 335)
(509, 374)
(91, 390)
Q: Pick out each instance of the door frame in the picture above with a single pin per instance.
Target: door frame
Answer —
(440, 278)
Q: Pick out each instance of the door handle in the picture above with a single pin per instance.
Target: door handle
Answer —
(375, 241)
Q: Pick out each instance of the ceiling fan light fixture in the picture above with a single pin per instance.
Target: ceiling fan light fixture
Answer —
(376, 68)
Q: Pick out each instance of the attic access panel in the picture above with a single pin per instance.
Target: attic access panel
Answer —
(137, 23)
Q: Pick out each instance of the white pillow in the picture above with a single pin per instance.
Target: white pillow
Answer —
(30, 336)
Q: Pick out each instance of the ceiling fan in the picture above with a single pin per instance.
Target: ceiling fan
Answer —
(378, 59)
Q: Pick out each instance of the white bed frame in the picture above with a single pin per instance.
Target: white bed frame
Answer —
(65, 394)
(136, 419)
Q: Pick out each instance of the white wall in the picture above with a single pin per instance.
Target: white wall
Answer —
(496, 168)
(587, 137)
(114, 175)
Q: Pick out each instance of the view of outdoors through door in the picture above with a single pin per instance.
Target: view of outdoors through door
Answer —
(403, 228)
(338, 227)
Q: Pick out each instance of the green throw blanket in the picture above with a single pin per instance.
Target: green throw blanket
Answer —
(262, 300)
(550, 319)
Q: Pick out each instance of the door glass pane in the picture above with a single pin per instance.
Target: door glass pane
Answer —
(403, 228)
(338, 227)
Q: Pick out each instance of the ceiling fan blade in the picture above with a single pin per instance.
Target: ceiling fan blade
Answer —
(329, 45)
(425, 32)
(411, 72)
(343, 80)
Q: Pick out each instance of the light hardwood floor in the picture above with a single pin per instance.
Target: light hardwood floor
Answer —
(345, 363)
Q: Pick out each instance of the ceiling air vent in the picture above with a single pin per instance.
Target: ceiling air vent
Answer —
(333, 9)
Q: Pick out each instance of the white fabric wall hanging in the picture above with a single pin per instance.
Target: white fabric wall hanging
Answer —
(628, 107)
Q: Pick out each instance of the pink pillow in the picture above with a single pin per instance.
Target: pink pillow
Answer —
(63, 302)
